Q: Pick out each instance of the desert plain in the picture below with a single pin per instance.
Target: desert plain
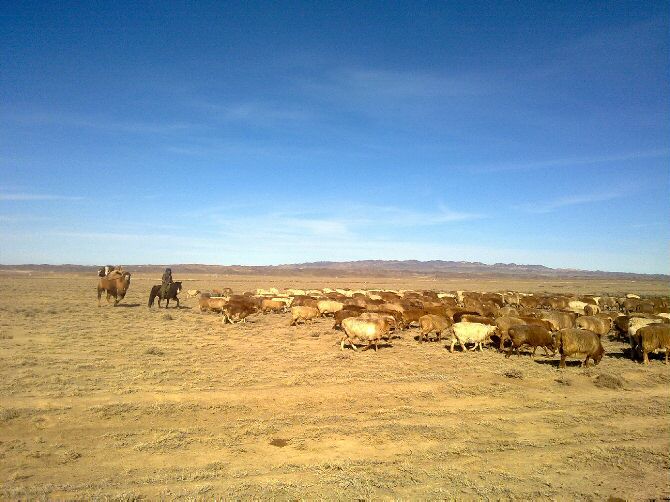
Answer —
(128, 403)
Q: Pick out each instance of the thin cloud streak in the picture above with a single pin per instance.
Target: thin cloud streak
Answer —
(568, 161)
(573, 200)
(35, 197)
(85, 122)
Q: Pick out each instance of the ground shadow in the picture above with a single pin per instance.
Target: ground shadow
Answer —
(128, 305)
(364, 348)
(555, 362)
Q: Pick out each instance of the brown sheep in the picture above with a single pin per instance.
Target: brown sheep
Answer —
(268, 305)
(535, 336)
(305, 301)
(205, 303)
(347, 311)
(507, 312)
(560, 320)
(538, 322)
(431, 323)
(303, 313)
(478, 318)
(592, 323)
(654, 337)
(237, 312)
(575, 341)
(410, 316)
(504, 324)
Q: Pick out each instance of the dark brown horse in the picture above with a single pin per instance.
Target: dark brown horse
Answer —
(115, 285)
(173, 290)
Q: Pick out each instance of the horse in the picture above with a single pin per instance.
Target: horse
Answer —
(173, 291)
(116, 286)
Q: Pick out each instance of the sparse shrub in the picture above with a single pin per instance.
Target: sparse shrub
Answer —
(279, 443)
(513, 374)
(167, 317)
(7, 414)
(154, 351)
(562, 380)
(608, 381)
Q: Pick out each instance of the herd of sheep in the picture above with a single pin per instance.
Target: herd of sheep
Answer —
(570, 325)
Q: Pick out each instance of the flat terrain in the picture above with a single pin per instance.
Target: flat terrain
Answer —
(128, 402)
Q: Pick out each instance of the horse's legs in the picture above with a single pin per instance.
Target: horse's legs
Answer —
(177, 301)
(167, 302)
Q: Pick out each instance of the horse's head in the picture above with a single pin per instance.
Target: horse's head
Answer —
(178, 284)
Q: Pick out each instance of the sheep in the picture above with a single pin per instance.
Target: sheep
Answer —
(411, 315)
(205, 303)
(575, 341)
(560, 320)
(507, 312)
(577, 307)
(596, 324)
(431, 323)
(591, 309)
(634, 324)
(535, 336)
(303, 313)
(654, 337)
(504, 324)
(389, 317)
(364, 330)
(477, 318)
(347, 311)
(268, 305)
(192, 293)
(465, 332)
(296, 292)
(329, 307)
(306, 301)
(237, 311)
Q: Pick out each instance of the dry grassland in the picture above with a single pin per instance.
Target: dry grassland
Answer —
(126, 403)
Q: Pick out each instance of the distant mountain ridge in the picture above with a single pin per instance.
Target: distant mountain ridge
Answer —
(438, 268)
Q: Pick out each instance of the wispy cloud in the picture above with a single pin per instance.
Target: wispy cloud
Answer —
(366, 89)
(254, 112)
(99, 123)
(35, 197)
(572, 200)
(403, 217)
(569, 161)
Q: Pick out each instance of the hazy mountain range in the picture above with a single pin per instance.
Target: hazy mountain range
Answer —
(438, 268)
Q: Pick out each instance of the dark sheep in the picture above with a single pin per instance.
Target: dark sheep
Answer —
(575, 341)
(534, 336)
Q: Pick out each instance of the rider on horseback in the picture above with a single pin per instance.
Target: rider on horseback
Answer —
(167, 280)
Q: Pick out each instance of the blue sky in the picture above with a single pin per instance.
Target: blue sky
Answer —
(253, 133)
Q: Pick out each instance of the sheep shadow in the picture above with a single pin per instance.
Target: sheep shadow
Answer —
(572, 363)
(367, 348)
(625, 354)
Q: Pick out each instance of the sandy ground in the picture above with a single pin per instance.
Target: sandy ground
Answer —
(128, 402)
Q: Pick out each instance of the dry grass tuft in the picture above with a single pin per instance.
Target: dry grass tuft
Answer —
(514, 373)
(7, 414)
(608, 381)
